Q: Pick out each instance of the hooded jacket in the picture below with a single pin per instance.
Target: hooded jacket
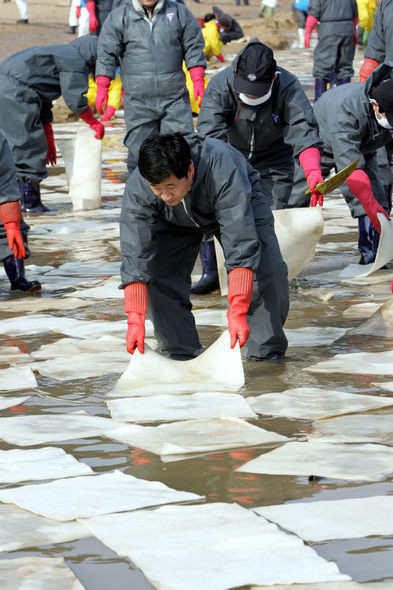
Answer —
(150, 51)
(9, 190)
(55, 70)
(285, 122)
(223, 193)
(380, 41)
(346, 120)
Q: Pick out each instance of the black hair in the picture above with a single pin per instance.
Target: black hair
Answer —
(208, 17)
(163, 155)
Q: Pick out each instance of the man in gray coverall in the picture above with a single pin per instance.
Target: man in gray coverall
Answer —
(354, 121)
(380, 41)
(334, 53)
(13, 230)
(29, 81)
(174, 197)
(262, 110)
(151, 39)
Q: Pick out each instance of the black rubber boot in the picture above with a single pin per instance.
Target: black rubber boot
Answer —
(320, 87)
(71, 31)
(368, 240)
(209, 279)
(31, 197)
(23, 21)
(15, 271)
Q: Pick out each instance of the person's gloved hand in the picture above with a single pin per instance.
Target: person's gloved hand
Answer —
(197, 76)
(110, 111)
(368, 66)
(51, 154)
(310, 161)
(359, 184)
(88, 117)
(311, 23)
(240, 285)
(93, 22)
(10, 215)
(103, 83)
(135, 305)
(78, 12)
(220, 57)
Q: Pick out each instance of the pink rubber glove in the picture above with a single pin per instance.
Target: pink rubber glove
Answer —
(197, 76)
(10, 215)
(88, 117)
(240, 284)
(136, 300)
(110, 111)
(50, 140)
(359, 184)
(311, 23)
(93, 22)
(310, 161)
(103, 83)
(220, 57)
(78, 12)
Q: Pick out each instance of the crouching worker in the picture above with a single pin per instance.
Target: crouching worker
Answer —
(13, 230)
(178, 193)
(29, 81)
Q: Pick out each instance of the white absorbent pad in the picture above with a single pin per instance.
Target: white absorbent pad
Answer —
(76, 346)
(168, 408)
(87, 496)
(314, 402)
(218, 368)
(8, 402)
(15, 378)
(21, 528)
(356, 428)
(211, 546)
(83, 366)
(380, 323)
(338, 461)
(37, 573)
(356, 363)
(195, 436)
(334, 519)
(313, 335)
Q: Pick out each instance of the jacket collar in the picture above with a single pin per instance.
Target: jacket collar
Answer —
(140, 10)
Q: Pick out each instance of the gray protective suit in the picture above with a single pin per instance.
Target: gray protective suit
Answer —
(151, 54)
(335, 49)
(160, 245)
(270, 135)
(29, 81)
(380, 40)
(9, 191)
(349, 130)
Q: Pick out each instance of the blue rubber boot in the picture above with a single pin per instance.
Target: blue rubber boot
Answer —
(320, 87)
(209, 279)
(31, 197)
(15, 271)
(368, 240)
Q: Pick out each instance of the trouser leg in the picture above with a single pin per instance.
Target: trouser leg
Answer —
(169, 299)
(270, 303)
(276, 179)
(23, 9)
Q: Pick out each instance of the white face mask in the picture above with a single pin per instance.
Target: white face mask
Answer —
(253, 102)
(381, 120)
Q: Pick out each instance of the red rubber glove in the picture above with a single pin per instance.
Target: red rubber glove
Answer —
(355, 24)
(240, 284)
(220, 57)
(311, 23)
(110, 111)
(359, 184)
(10, 215)
(310, 161)
(368, 66)
(78, 12)
(50, 140)
(136, 299)
(88, 117)
(197, 76)
(93, 22)
(103, 83)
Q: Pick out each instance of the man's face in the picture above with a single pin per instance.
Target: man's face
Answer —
(148, 3)
(172, 190)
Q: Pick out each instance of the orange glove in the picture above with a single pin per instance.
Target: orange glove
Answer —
(240, 284)
(88, 117)
(136, 299)
(359, 184)
(10, 215)
(50, 140)
(368, 66)
(220, 57)
(197, 76)
(93, 22)
(78, 12)
(311, 23)
(310, 161)
(103, 83)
